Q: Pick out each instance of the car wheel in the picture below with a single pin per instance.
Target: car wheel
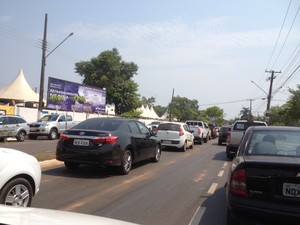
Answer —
(201, 140)
(2, 139)
(157, 155)
(21, 135)
(126, 163)
(53, 134)
(72, 165)
(219, 142)
(205, 139)
(192, 145)
(17, 192)
(184, 147)
(32, 136)
(231, 220)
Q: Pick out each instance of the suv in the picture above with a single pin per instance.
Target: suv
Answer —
(13, 126)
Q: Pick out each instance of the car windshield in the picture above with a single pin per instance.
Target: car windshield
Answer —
(169, 126)
(48, 118)
(99, 124)
(283, 143)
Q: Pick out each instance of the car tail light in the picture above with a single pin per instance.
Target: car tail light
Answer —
(238, 184)
(199, 130)
(228, 136)
(181, 133)
(64, 137)
(108, 139)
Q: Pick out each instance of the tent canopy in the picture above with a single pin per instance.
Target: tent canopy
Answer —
(19, 91)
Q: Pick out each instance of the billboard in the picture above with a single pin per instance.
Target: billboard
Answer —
(65, 95)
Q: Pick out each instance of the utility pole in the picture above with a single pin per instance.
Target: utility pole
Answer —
(270, 89)
(170, 108)
(40, 106)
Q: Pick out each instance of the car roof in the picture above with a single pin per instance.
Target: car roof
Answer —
(278, 128)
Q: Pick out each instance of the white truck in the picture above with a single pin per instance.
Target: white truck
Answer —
(51, 125)
(200, 130)
(235, 135)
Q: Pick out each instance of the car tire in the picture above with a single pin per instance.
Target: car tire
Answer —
(53, 134)
(219, 142)
(126, 163)
(205, 139)
(201, 140)
(32, 136)
(72, 165)
(21, 135)
(17, 192)
(2, 139)
(184, 147)
(192, 145)
(157, 155)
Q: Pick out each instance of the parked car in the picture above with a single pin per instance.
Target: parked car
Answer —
(223, 134)
(264, 179)
(153, 126)
(31, 216)
(108, 142)
(175, 134)
(13, 126)
(51, 126)
(20, 177)
(234, 136)
(199, 131)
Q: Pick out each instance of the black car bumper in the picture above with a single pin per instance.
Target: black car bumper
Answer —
(263, 212)
(100, 156)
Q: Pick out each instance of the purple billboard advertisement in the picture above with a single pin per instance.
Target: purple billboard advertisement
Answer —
(65, 95)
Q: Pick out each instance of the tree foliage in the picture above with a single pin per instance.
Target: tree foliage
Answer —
(148, 101)
(160, 110)
(109, 71)
(215, 115)
(183, 108)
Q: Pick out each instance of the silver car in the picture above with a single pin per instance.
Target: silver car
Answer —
(13, 126)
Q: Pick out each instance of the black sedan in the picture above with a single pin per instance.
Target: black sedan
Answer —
(108, 142)
(263, 185)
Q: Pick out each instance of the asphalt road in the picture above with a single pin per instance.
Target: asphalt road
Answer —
(183, 188)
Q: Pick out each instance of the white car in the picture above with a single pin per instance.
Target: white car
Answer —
(175, 134)
(36, 216)
(20, 177)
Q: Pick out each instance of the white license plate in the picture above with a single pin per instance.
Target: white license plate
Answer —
(81, 142)
(291, 190)
(167, 142)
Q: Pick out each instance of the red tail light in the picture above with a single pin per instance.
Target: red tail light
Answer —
(181, 133)
(64, 137)
(199, 130)
(228, 136)
(238, 184)
(108, 139)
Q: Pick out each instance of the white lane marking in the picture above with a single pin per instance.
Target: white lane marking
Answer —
(225, 165)
(212, 188)
(197, 216)
(221, 173)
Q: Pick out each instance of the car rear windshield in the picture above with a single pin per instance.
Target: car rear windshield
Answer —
(245, 125)
(194, 123)
(169, 126)
(99, 124)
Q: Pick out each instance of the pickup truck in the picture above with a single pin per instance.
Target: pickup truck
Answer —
(51, 125)
(235, 135)
(200, 130)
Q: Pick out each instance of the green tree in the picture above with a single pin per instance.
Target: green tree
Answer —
(293, 105)
(160, 110)
(183, 108)
(215, 115)
(109, 71)
(245, 113)
(148, 101)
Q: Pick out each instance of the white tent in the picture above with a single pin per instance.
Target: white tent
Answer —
(147, 112)
(19, 91)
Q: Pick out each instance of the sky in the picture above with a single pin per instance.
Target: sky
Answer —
(215, 52)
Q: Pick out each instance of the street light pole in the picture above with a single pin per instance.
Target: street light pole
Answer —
(44, 56)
